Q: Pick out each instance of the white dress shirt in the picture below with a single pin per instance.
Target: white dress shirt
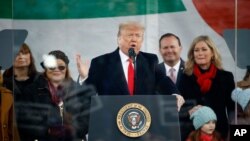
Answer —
(176, 67)
(125, 62)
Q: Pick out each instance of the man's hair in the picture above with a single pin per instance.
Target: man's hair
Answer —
(129, 24)
(169, 35)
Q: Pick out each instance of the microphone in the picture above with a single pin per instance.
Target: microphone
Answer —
(132, 54)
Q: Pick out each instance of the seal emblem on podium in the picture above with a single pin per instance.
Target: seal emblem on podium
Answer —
(133, 120)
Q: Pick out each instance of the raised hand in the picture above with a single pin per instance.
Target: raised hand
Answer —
(82, 67)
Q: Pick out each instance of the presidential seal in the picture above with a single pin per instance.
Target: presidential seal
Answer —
(133, 120)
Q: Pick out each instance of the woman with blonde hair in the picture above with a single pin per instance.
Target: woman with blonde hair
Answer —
(206, 83)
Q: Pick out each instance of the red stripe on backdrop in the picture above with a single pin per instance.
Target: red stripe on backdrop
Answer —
(220, 14)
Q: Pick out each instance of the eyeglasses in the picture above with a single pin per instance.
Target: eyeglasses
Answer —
(61, 68)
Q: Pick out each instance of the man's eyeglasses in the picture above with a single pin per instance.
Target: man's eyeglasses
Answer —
(61, 68)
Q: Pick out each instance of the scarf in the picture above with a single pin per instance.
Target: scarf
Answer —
(206, 137)
(55, 93)
(205, 79)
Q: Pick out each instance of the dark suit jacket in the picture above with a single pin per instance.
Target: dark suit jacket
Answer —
(218, 97)
(183, 117)
(107, 75)
(162, 69)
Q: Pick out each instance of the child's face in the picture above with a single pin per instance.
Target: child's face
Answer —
(209, 127)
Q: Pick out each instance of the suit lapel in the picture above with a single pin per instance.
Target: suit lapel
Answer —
(180, 72)
(162, 69)
(141, 67)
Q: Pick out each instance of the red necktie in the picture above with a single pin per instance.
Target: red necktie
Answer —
(131, 76)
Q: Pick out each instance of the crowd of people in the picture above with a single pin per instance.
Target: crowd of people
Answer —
(49, 105)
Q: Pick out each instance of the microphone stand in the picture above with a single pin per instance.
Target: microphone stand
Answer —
(132, 55)
(134, 62)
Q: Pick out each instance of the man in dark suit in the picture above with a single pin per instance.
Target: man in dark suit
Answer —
(109, 73)
(172, 65)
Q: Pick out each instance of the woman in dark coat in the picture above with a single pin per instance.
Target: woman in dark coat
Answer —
(22, 73)
(16, 78)
(206, 83)
(56, 109)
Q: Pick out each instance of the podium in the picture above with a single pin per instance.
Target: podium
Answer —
(134, 118)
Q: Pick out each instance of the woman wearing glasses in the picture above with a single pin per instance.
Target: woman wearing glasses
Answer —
(52, 113)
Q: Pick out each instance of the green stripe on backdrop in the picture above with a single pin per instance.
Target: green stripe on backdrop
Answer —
(78, 9)
(6, 9)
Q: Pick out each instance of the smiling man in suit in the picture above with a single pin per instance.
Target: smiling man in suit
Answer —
(117, 73)
(173, 67)
(170, 50)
